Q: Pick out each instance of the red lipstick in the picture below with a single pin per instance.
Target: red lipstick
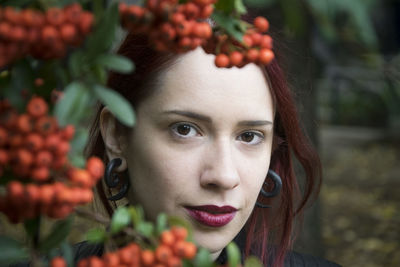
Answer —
(211, 215)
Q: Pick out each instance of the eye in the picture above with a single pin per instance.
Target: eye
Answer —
(251, 138)
(184, 130)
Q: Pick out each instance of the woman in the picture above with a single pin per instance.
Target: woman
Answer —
(202, 147)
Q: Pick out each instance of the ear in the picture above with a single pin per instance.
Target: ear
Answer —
(113, 142)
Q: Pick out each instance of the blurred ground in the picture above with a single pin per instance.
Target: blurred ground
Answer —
(360, 198)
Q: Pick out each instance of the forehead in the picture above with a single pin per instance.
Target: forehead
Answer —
(194, 82)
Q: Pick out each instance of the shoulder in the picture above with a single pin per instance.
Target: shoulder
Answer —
(295, 259)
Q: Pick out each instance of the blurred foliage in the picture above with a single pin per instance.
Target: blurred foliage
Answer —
(357, 48)
(361, 204)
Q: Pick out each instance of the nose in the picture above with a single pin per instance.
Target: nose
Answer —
(220, 170)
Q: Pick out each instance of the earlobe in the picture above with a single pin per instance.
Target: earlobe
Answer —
(112, 141)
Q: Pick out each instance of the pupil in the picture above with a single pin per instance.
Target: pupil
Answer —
(248, 137)
(183, 129)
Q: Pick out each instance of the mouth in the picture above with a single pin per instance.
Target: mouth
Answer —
(211, 215)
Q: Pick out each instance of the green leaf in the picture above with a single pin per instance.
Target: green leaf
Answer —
(120, 219)
(239, 7)
(233, 255)
(57, 235)
(203, 258)
(161, 222)
(105, 30)
(76, 62)
(225, 6)
(11, 251)
(230, 24)
(118, 105)
(116, 63)
(69, 108)
(96, 235)
(145, 228)
(252, 261)
(32, 226)
(137, 214)
(67, 253)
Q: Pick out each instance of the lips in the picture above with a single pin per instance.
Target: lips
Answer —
(211, 215)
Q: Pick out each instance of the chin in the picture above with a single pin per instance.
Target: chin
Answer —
(213, 241)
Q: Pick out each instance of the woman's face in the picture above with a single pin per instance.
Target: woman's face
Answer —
(201, 147)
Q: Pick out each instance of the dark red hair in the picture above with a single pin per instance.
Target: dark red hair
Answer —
(269, 232)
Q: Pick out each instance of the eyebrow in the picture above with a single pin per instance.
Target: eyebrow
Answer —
(205, 118)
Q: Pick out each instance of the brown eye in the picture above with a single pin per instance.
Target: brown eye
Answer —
(183, 129)
(247, 137)
(251, 138)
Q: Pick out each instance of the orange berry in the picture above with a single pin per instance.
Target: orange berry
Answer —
(86, 22)
(174, 262)
(83, 263)
(73, 13)
(40, 174)
(163, 253)
(46, 125)
(68, 33)
(247, 40)
(50, 35)
(184, 28)
(95, 167)
(3, 136)
(46, 194)
(16, 140)
(95, 262)
(4, 157)
(63, 148)
(58, 262)
(81, 177)
(179, 232)
(15, 191)
(18, 34)
(252, 55)
(25, 123)
(5, 30)
(111, 259)
(177, 18)
(236, 58)
(222, 61)
(52, 141)
(179, 248)
(43, 158)
(37, 107)
(190, 250)
(191, 10)
(206, 11)
(55, 16)
(32, 193)
(24, 157)
(147, 257)
(60, 162)
(86, 195)
(10, 14)
(34, 142)
(68, 132)
(256, 38)
(167, 238)
(266, 42)
(39, 82)
(125, 255)
(261, 24)
(266, 56)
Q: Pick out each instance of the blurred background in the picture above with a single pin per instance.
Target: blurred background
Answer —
(342, 60)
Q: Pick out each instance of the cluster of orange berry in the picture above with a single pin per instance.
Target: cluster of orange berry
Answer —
(171, 250)
(43, 35)
(171, 26)
(33, 149)
(256, 47)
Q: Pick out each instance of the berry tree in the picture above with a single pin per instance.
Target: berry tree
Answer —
(54, 58)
